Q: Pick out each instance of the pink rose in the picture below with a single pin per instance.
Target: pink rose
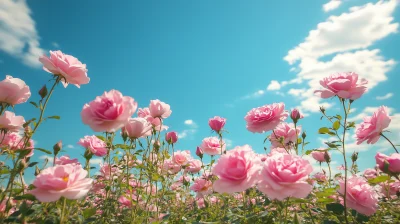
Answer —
(212, 146)
(194, 166)
(296, 115)
(66, 66)
(159, 109)
(137, 127)
(287, 132)
(181, 157)
(285, 175)
(393, 162)
(144, 112)
(64, 160)
(278, 150)
(97, 146)
(371, 128)
(171, 137)
(67, 181)
(360, 195)
(320, 177)
(237, 170)
(319, 155)
(390, 189)
(217, 123)
(202, 187)
(370, 173)
(344, 85)
(108, 172)
(14, 141)
(108, 112)
(199, 152)
(170, 167)
(13, 91)
(157, 124)
(10, 122)
(265, 118)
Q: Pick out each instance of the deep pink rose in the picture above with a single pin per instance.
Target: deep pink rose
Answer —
(360, 195)
(217, 123)
(137, 127)
(10, 122)
(171, 137)
(319, 155)
(97, 146)
(67, 181)
(109, 112)
(13, 91)
(285, 175)
(181, 157)
(202, 187)
(212, 146)
(296, 115)
(344, 85)
(393, 162)
(265, 118)
(68, 67)
(287, 132)
(194, 166)
(64, 160)
(159, 109)
(371, 128)
(237, 170)
(199, 152)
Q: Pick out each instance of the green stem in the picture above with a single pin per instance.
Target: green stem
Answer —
(63, 211)
(390, 142)
(345, 161)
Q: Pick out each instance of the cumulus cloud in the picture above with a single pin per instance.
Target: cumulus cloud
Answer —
(331, 5)
(192, 128)
(70, 146)
(385, 97)
(274, 85)
(96, 161)
(18, 34)
(254, 95)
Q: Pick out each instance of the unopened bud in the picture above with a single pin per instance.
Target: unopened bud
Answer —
(57, 147)
(124, 135)
(327, 157)
(37, 171)
(303, 135)
(295, 115)
(354, 157)
(199, 152)
(43, 92)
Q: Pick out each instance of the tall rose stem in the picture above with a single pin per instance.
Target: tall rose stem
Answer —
(344, 158)
(390, 142)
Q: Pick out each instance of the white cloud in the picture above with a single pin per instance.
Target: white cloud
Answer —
(228, 143)
(274, 85)
(387, 96)
(18, 35)
(254, 95)
(70, 146)
(331, 5)
(189, 131)
(55, 44)
(96, 161)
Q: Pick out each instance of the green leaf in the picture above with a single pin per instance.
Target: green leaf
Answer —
(89, 212)
(34, 104)
(43, 150)
(32, 164)
(25, 197)
(379, 179)
(54, 117)
(122, 146)
(326, 192)
(308, 152)
(336, 208)
(101, 137)
(323, 130)
(4, 171)
(336, 125)
(325, 200)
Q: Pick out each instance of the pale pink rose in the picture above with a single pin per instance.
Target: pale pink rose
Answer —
(390, 189)
(217, 123)
(67, 181)
(13, 91)
(137, 127)
(237, 170)
(285, 175)
(97, 146)
(214, 200)
(287, 132)
(202, 187)
(212, 146)
(125, 201)
(181, 157)
(278, 150)
(371, 128)
(370, 173)
(66, 66)
(265, 118)
(108, 172)
(319, 154)
(296, 115)
(320, 177)
(144, 112)
(393, 162)
(171, 137)
(64, 160)
(159, 109)
(109, 112)
(3, 205)
(14, 141)
(10, 122)
(157, 124)
(344, 85)
(200, 203)
(194, 166)
(170, 167)
(360, 195)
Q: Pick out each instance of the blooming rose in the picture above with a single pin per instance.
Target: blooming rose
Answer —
(371, 128)
(13, 91)
(392, 161)
(360, 195)
(159, 109)
(109, 173)
(64, 160)
(320, 177)
(217, 123)
(237, 170)
(285, 175)
(265, 118)
(10, 122)
(14, 141)
(390, 189)
(171, 137)
(67, 181)
(278, 150)
(212, 146)
(285, 131)
(194, 166)
(202, 187)
(108, 112)
(67, 66)
(319, 155)
(344, 85)
(170, 167)
(97, 146)
(181, 157)
(144, 112)
(137, 127)
(370, 173)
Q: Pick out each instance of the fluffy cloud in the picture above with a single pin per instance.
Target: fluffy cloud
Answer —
(18, 35)
(70, 146)
(274, 85)
(192, 128)
(254, 95)
(387, 96)
(331, 5)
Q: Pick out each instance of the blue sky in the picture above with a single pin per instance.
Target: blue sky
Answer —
(206, 58)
